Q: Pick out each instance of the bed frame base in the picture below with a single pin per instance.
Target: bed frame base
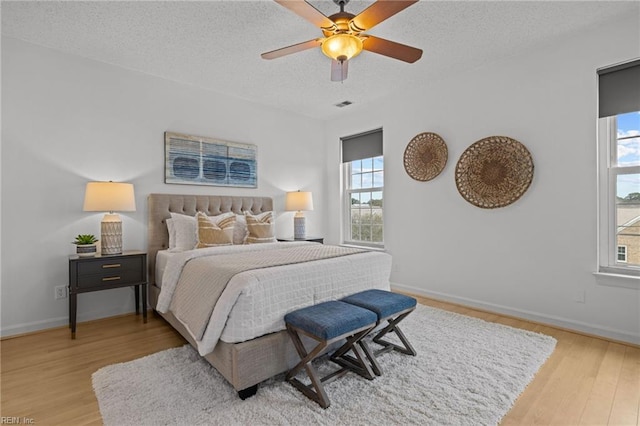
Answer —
(244, 364)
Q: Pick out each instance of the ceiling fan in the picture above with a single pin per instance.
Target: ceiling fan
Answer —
(344, 36)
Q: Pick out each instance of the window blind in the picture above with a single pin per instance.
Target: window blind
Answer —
(363, 145)
(619, 89)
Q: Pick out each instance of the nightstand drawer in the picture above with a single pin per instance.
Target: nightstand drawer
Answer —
(128, 276)
(111, 267)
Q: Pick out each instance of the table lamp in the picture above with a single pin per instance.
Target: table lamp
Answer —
(110, 197)
(298, 201)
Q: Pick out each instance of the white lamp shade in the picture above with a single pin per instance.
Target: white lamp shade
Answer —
(298, 201)
(109, 197)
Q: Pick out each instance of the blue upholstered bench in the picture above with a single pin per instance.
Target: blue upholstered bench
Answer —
(326, 323)
(390, 307)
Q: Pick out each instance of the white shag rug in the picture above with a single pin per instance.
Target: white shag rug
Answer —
(467, 372)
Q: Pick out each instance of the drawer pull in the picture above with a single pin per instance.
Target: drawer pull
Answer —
(113, 265)
(110, 278)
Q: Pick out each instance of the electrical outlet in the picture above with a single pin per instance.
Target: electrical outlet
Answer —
(579, 296)
(60, 292)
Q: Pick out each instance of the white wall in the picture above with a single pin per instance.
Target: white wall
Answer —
(529, 259)
(68, 120)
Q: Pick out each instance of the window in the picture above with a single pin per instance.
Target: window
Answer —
(363, 168)
(364, 200)
(622, 254)
(619, 169)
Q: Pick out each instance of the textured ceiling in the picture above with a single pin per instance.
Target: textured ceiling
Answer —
(217, 44)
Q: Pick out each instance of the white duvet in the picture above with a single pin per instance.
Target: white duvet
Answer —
(254, 302)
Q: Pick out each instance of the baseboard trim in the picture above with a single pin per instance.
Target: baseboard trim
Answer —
(564, 323)
(35, 326)
(551, 320)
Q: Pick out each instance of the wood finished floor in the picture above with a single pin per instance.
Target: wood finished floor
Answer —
(46, 376)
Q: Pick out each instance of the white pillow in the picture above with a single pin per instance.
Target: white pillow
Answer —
(185, 236)
(172, 233)
(240, 229)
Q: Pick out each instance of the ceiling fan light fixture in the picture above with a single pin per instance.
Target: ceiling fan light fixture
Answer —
(342, 46)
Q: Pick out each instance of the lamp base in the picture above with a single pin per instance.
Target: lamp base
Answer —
(111, 234)
(299, 231)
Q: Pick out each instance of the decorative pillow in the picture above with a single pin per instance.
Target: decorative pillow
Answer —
(184, 227)
(240, 229)
(261, 228)
(172, 233)
(216, 230)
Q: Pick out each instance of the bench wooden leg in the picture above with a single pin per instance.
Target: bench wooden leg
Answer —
(315, 391)
(392, 326)
(358, 364)
(375, 366)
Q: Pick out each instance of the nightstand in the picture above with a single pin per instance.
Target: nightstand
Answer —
(312, 239)
(104, 272)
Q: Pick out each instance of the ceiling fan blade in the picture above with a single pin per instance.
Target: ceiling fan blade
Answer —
(339, 70)
(392, 49)
(292, 49)
(378, 12)
(308, 12)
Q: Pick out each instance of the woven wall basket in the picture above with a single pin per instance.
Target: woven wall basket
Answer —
(425, 156)
(494, 172)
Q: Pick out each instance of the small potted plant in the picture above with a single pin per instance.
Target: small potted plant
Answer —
(85, 245)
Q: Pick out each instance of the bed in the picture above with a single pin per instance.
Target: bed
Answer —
(246, 357)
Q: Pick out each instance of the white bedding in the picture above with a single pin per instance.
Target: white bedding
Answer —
(254, 302)
(162, 257)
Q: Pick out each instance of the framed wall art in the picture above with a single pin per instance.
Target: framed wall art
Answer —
(199, 160)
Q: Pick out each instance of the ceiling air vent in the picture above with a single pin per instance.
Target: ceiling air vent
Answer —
(344, 104)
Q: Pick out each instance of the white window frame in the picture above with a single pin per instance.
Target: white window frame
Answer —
(608, 172)
(346, 203)
(618, 89)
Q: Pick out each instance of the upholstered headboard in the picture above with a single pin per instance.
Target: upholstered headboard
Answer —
(162, 205)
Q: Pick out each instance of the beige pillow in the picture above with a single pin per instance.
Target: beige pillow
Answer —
(261, 228)
(216, 230)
